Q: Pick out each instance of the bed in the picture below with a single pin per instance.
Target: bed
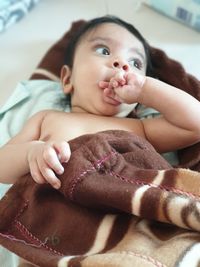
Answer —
(183, 47)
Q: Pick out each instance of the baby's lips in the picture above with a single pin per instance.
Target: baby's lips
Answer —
(110, 100)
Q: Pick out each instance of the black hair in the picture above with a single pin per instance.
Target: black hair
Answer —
(73, 42)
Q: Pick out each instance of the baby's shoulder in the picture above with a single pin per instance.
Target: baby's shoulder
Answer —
(53, 116)
(49, 113)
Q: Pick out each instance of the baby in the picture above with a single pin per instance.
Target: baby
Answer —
(107, 73)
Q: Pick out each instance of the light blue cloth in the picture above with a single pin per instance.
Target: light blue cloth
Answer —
(28, 98)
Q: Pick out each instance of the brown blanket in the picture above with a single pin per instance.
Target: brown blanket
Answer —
(112, 181)
(120, 203)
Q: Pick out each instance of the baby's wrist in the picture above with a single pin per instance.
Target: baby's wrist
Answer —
(142, 80)
(32, 145)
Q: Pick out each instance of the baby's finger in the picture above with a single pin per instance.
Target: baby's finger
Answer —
(49, 175)
(103, 84)
(109, 92)
(51, 159)
(35, 173)
(63, 151)
(127, 95)
(113, 84)
(120, 78)
(110, 97)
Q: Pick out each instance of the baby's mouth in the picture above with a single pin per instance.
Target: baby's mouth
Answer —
(103, 85)
(110, 100)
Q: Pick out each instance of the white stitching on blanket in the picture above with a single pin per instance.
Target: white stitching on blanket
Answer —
(147, 258)
(165, 188)
(98, 164)
(22, 209)
(25, 232)
(12, 238)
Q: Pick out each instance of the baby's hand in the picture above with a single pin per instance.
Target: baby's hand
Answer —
(45, 161)
(125, 88)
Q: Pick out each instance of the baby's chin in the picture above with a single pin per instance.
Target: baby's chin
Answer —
(125, 109)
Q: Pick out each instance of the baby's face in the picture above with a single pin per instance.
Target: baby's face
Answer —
(101, 53)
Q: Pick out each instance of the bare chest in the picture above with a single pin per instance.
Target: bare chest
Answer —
(67, 126)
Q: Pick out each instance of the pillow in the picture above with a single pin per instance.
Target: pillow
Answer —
(12, 11)
(187, 12)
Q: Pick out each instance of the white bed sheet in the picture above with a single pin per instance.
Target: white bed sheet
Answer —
(23, 44)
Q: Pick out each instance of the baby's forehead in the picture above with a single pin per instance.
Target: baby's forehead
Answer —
(104, 29)
(113, 34)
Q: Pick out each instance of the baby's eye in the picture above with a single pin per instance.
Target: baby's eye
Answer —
(136, 63)
(103, 50)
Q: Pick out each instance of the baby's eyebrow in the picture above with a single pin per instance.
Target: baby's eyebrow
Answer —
(104, 39)
(134, 50)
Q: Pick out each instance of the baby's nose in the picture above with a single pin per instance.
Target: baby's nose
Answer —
(120, 65)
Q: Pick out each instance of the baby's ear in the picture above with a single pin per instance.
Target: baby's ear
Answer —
(65, 77)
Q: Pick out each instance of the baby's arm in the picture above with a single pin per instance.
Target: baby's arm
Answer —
(179, 125)
(26, 153)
